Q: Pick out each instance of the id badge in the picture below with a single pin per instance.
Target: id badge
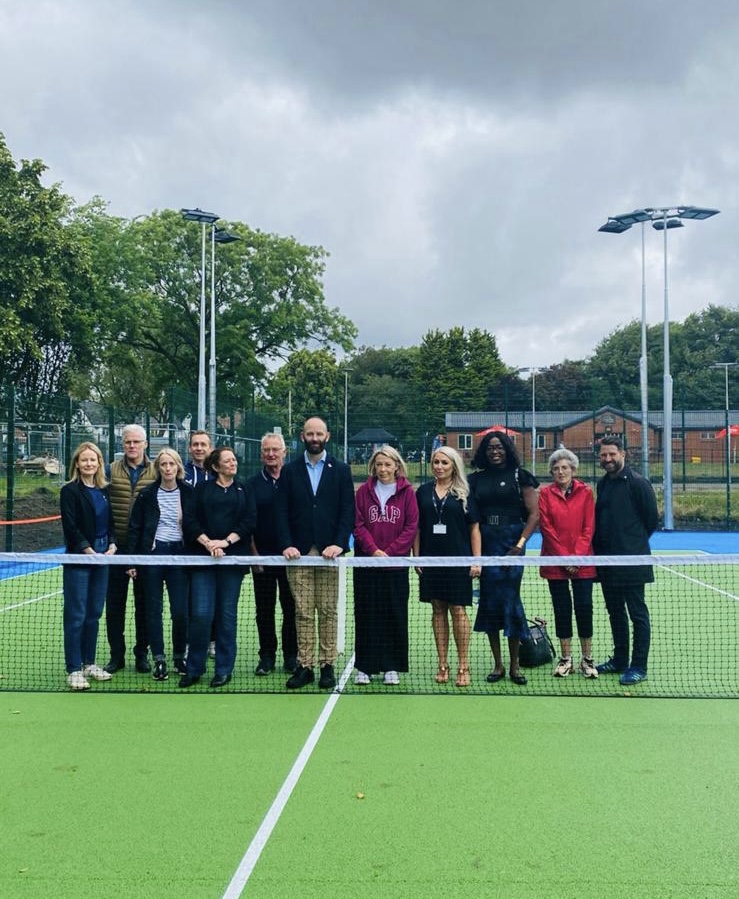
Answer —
(440, 529)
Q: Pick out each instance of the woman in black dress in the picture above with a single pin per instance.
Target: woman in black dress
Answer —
(508, 503)
(448, 526)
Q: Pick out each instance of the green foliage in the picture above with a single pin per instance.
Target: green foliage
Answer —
(455, 371)
(309, 383)
(48, 310)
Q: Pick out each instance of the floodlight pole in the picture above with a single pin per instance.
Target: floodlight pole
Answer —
(346, 413)
(663, 219)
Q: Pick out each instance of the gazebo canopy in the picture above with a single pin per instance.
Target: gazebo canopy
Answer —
(373, 436)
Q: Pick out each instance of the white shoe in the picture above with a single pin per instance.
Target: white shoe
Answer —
(78, 681)
(96, 672)
(587, 668)
(564, 668)
(212, 649)
(391, 678)
(361, 679)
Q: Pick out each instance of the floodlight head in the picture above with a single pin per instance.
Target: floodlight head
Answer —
(631, 218)
(612, 226)
(661, 224)
(220, 235)
(696, 212)
(198, 215)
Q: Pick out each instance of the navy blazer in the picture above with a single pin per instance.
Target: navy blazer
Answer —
(326, 519)
(78, 517)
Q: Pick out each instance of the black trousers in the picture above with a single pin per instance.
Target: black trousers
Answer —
(115, 614)
(268, 583)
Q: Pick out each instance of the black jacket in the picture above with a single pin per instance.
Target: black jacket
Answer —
(625, 518)
(326, 519)
(145, 514)
(78, 517)
(218, 513)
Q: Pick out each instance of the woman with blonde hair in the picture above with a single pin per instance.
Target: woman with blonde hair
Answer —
(448, 525)
(87, 522)
(156, 529)
(386, 519)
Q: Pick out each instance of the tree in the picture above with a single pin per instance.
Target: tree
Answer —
(455, 371)
(309, 383)
(48, 310)
(269, 302)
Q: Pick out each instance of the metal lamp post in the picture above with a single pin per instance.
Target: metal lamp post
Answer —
(204, 218)
(726, 366)
(217, 235)
(533, 371)
(663, 219)
(346, 413)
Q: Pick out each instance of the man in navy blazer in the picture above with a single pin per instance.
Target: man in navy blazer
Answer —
(314, 516)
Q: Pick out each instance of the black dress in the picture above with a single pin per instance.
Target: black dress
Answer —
(450, 585)
(498, 493)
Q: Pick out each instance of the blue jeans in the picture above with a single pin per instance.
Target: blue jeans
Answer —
(214, 596)
(84, 599)
(177, 580)
(620, 599)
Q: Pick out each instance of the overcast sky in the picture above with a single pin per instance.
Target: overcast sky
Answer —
(455, 157)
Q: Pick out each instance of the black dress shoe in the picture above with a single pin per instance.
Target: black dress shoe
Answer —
(301, 678)
(142, 665)
(114, 666)
(328, 678)
(220, 680)
(187, 680)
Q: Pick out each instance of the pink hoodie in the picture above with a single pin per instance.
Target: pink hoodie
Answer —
(394, 532)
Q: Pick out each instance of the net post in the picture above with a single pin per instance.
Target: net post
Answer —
(341, 610)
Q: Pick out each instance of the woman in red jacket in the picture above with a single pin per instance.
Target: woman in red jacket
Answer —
(567, 522)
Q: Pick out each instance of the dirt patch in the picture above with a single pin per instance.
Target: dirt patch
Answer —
(36, 536)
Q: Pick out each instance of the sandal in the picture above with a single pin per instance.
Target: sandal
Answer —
(442, 675)
(463, 677)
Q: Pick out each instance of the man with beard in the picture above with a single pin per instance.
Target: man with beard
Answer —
(625, 519)
(314, 516)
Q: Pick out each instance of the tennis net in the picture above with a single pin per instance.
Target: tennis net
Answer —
(693, 603)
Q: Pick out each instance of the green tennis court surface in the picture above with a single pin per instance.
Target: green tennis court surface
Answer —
(137, 796)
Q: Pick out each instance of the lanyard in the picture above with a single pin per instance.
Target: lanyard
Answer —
(439, 504)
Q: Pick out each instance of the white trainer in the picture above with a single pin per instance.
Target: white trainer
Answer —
(563, 669)
(587, 668)
(361, 679)
(391, 678)
(96, 672)
(78, 681)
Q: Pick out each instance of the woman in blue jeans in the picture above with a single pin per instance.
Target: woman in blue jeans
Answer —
(220, 523)
(156, 528)
(87, 522)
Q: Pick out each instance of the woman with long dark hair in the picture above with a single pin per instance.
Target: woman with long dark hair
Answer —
(507, 501)
(220, 523)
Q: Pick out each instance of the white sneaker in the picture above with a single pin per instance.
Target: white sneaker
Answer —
(361, 679)
(587, 667)
(96, 672)
(212, 649)
(78, 681)
(391, 678)
(564, 667)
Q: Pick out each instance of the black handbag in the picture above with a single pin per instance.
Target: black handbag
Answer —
(537, 649)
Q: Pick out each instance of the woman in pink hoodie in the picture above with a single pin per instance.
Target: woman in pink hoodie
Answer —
(386, 518)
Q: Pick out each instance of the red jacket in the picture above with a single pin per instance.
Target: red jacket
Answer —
(566, 524)
(394, 532)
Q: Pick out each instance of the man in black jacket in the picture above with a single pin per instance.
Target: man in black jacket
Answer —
(625, 518)
(314, 516)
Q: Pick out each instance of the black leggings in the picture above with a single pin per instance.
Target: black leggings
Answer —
(582, 595)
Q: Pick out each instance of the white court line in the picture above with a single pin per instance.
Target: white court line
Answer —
(252, 854)
(27, 602)
(698, 583)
